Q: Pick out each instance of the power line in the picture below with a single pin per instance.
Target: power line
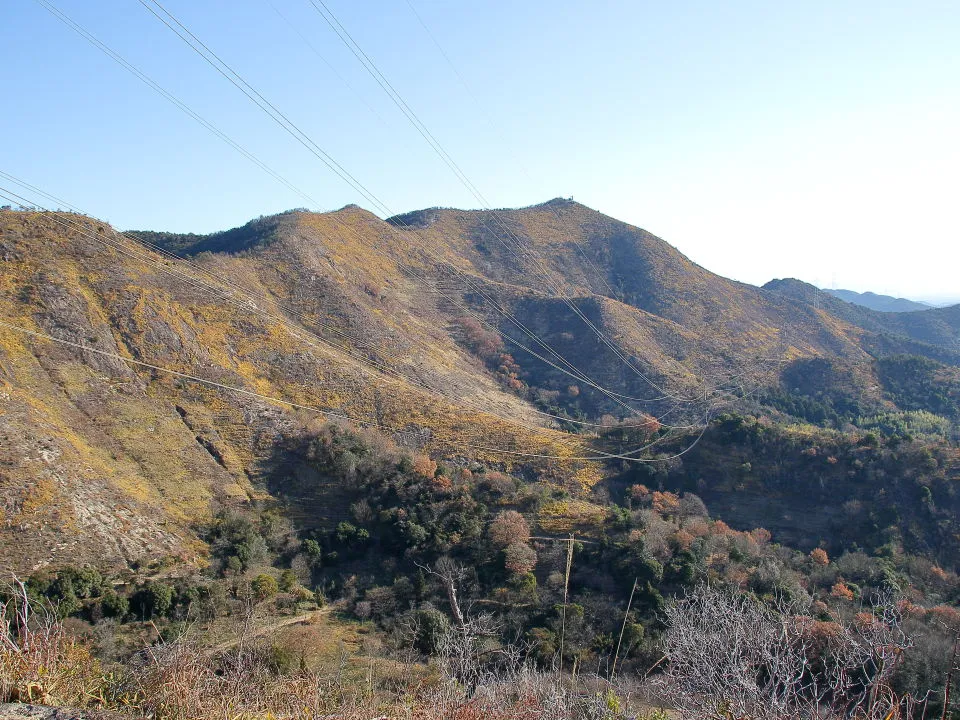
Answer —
(239, 78)
(483, 110)
(438, 148)
(119, 59)
(217, 63)
(265, 105)
(88, 36)
(326, 62)
(149, 82)
(302, 406)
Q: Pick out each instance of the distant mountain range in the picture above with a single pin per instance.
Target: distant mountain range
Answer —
(882, 303)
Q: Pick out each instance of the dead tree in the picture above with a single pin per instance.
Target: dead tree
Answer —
(463, 649)
(730, 657)
(450, 575)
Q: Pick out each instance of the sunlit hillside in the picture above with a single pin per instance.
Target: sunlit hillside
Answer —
(421, 326)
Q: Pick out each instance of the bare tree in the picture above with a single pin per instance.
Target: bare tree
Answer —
(463, 648)
(450, 575)
(730, 657)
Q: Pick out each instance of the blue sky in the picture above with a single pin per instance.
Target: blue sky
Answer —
(815, 140)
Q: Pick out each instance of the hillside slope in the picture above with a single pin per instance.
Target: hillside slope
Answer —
(108, 461)
(389, 323)
(934, 332)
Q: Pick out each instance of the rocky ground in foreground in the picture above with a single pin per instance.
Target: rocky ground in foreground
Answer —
(19, 711)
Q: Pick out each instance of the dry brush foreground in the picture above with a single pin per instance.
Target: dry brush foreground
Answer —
(42, 666)
(726, 657)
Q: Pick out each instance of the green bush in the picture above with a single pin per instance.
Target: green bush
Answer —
(264, 587)
(114, 605)
(155, 599)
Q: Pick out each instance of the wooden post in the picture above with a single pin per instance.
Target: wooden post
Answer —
(613, 670)
(566, 585)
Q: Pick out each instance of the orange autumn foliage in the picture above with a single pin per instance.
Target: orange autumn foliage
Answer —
(665, 503)
(761, 536)
(683, 539)
(841, 591)
(423, 465)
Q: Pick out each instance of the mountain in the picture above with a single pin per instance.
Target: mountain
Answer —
(474, 336)
(934, 332)
(110, 461)
(881, 303)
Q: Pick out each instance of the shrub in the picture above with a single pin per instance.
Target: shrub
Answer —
(288, 580)
(519, 558)
(424, 466)
(264, 587)
(820, 557)
(152, 600)
(841, 591)
(507, 528)
(114, 605)
(430, 629)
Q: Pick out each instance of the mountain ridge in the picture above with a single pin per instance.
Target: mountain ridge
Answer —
(939, 327)
(881, 303)
(421, 331)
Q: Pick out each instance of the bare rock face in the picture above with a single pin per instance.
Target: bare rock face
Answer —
(19, 711)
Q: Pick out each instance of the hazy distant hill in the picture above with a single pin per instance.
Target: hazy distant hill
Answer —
(881, 303)
(935, 332)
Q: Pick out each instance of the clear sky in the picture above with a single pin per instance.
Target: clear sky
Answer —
(818, 140)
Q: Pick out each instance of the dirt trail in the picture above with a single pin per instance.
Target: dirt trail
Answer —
(302, 619)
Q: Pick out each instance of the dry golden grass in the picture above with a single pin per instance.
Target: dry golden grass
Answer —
(114, 431)
(39, 661)
(564, 516)
(347, 285)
